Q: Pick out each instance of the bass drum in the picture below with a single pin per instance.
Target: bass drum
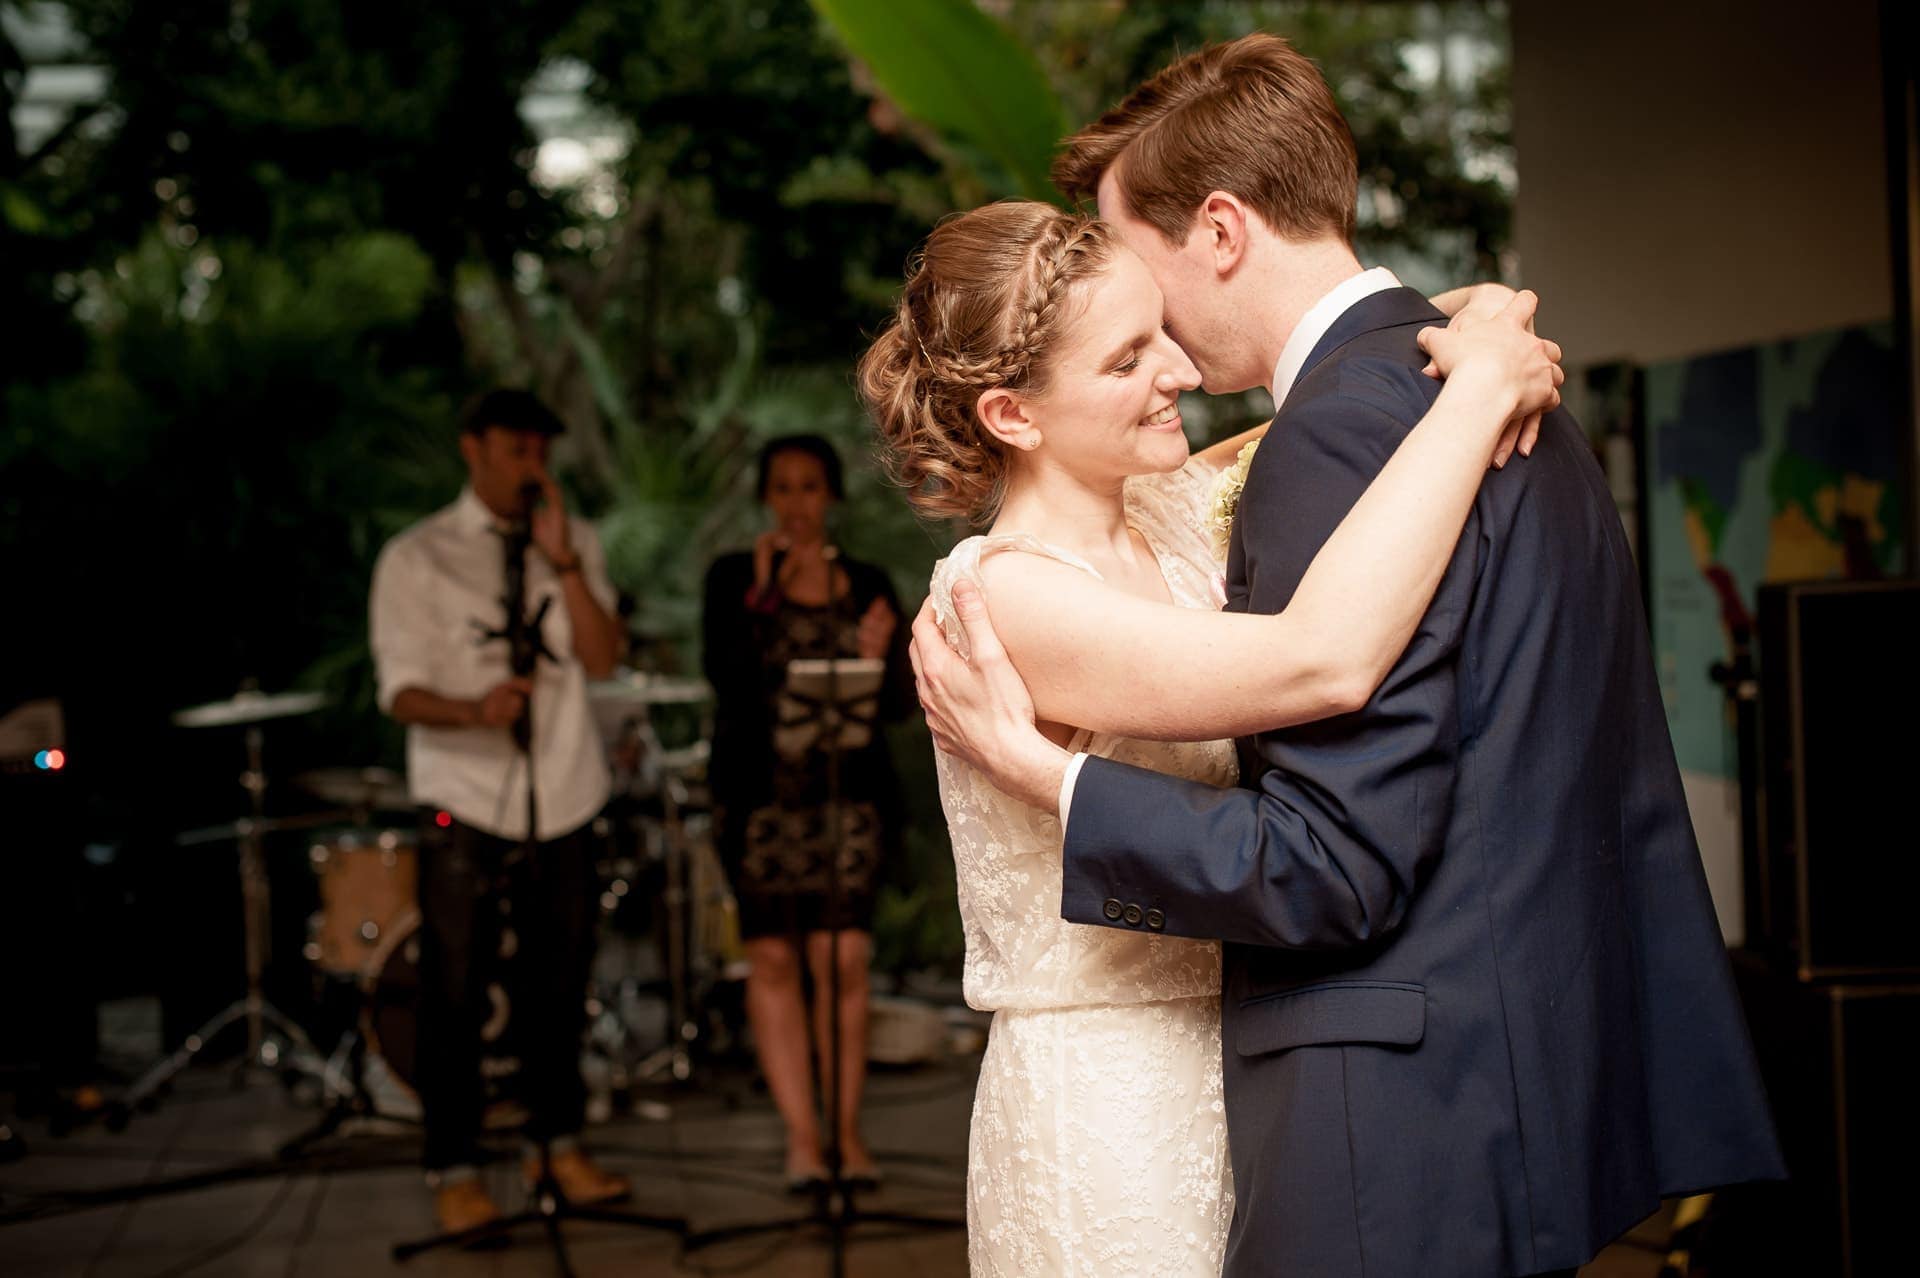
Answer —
(390, 1018)
(369, 879)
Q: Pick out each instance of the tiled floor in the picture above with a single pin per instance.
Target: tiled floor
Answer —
(65, 1209)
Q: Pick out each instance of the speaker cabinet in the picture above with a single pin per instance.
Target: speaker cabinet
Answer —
(1837, 862)
(1838, 1063)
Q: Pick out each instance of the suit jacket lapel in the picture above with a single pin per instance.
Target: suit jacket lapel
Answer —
(1387, 309)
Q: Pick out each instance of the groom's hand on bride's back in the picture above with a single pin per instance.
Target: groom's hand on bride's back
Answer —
(978, 709)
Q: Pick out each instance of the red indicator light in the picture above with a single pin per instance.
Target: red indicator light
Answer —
(56, 760)
(443, 819)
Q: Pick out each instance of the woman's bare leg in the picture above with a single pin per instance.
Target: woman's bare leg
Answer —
(855, 957)
(777, 1014)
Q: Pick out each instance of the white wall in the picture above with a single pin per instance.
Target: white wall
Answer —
(1697, 175)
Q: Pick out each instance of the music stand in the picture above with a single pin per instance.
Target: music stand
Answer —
(834, 702)
(549, 1206)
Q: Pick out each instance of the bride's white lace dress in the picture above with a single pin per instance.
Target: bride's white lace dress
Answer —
(1099, 1141)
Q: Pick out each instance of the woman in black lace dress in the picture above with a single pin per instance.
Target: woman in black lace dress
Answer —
(795, 597)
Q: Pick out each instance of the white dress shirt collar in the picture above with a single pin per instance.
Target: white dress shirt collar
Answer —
(1319, 318)
(472, 513)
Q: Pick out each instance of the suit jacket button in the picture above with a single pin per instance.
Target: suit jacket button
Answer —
(1156, 920)
(1111, 909)
(1133, 915)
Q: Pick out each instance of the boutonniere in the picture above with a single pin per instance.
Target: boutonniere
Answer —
(1226, 499)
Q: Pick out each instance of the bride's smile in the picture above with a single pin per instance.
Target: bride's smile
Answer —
(1167, 418)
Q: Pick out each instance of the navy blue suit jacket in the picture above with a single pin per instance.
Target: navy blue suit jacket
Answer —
(1478, 1017)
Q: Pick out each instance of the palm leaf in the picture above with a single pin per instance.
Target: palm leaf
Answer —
(956, 70)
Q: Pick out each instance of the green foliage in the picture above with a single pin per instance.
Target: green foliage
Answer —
(737, 113)
(955, 70)
(249, 287)
(201, 501)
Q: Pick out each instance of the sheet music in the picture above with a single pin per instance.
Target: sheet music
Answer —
(806, 714)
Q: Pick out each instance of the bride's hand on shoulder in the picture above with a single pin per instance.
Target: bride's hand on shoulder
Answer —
(1501, 356)
(1471, 303)
(978, 709)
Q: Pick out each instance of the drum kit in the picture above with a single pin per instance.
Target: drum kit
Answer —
(363, 937)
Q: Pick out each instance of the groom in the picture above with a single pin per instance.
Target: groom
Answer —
(1478, 1018)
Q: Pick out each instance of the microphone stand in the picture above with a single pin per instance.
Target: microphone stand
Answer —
(834, 1204)
(548, 1206)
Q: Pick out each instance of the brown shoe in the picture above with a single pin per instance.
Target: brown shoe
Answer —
(579, 1179)
(463, 1205)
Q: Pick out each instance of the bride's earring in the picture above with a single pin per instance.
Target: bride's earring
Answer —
(1031, 442)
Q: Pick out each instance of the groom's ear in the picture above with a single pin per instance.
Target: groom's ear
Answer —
(1004, 414)
(1224, 220)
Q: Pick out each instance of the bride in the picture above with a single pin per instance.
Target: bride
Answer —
(1026, 380)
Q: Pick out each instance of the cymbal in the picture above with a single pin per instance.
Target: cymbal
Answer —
(649, 690)
(228, 831)
(249, 707)
(377, 788)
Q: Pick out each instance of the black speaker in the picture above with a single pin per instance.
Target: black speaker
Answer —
(1838, 1063)
(1836, 864)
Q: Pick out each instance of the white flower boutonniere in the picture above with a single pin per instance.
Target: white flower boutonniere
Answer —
(1226, 499)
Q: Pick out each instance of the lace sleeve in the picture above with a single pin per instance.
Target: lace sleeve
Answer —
(963, 562)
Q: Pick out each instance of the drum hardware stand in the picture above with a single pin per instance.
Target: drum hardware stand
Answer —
(834, 1204)
(549, 1206)
(252, 1007)
(631, 1060)
(674, 1059)
(348, 1097)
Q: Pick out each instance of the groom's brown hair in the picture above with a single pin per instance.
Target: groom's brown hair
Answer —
(1252, 117)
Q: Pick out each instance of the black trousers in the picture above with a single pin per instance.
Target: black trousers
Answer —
(552, 903)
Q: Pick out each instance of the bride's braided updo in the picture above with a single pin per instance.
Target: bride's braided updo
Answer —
(987, 298)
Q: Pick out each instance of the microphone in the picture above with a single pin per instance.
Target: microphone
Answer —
(828, 552)
(766, 599)
(525, 642)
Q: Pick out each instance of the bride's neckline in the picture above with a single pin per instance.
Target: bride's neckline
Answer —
(1135, 533)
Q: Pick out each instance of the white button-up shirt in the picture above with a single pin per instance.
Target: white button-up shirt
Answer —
(435, 586)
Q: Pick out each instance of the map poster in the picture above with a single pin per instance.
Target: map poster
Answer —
(1781, 462)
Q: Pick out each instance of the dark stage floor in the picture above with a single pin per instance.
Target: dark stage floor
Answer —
(715, 1161)
(338, 1211)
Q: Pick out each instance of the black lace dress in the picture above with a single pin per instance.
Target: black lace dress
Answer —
(770, 786)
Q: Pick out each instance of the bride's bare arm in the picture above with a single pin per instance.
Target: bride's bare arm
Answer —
(1100, 658)
(1221, 455)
